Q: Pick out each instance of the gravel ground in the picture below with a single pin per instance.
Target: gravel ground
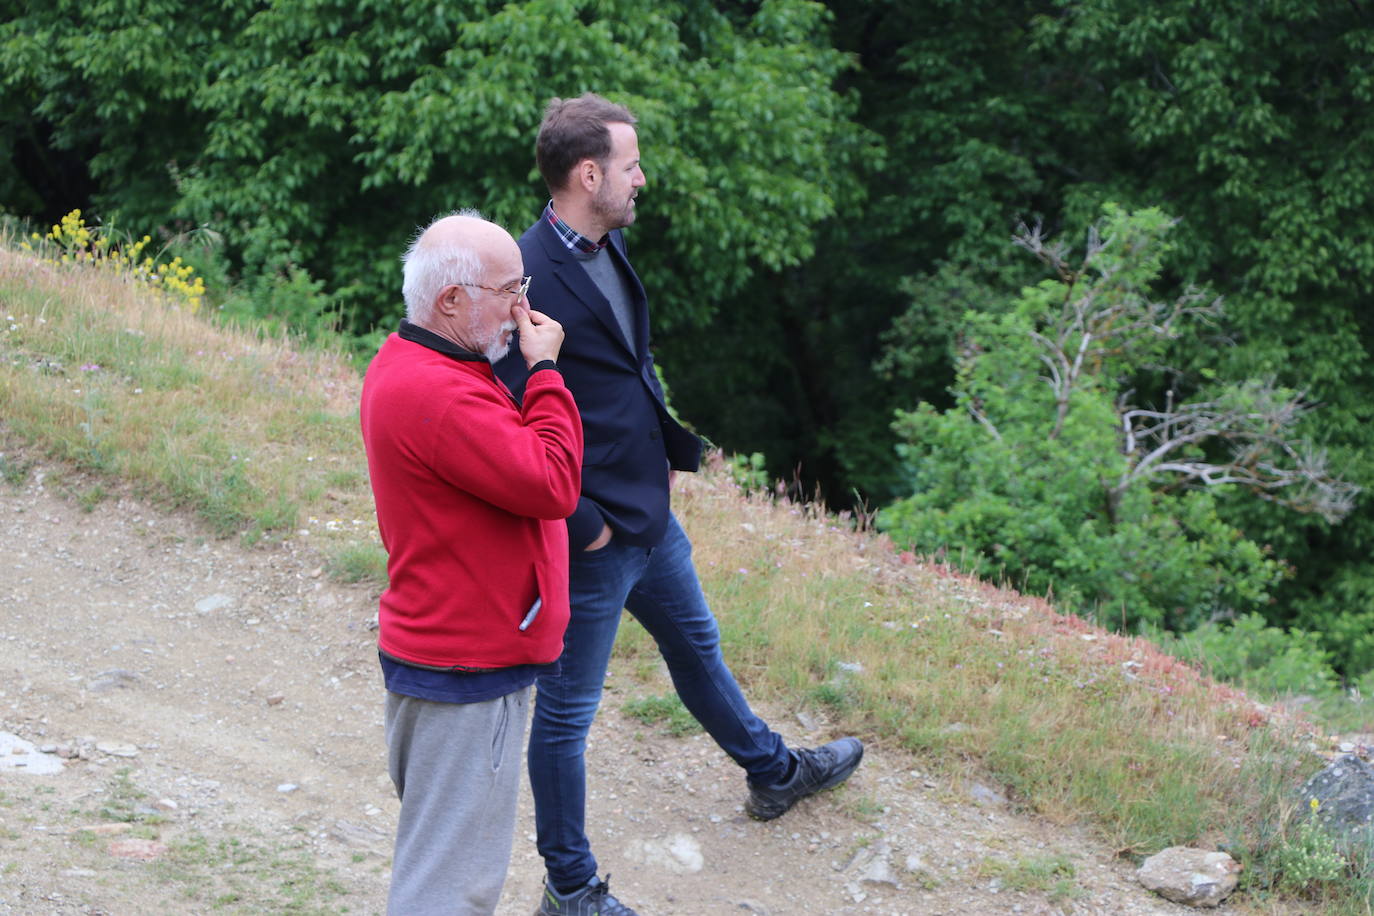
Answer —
(216, 713)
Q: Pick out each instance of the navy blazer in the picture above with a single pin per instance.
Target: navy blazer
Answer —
(629, 439)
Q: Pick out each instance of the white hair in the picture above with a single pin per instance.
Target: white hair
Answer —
(429, 268)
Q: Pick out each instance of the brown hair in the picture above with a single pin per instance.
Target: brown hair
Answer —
(573, 130)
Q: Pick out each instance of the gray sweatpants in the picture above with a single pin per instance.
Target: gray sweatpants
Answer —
(456, 767)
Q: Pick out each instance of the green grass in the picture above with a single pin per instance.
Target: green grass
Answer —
(664, 711)
(14, 470)
(358, 563)
(105, 376)
(121, 802)
(260, 439)
(1051, 875)
(235, 875)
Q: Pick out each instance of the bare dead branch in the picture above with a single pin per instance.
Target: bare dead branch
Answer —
(1253, 433)
(1243, 437)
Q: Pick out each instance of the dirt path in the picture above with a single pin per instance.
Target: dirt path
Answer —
(225, 709)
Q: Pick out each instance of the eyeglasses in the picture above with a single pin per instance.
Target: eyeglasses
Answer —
(517, 293)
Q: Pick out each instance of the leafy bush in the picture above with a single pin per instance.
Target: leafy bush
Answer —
(1257, 656)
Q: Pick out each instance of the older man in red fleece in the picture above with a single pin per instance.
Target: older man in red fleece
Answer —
(471, 494)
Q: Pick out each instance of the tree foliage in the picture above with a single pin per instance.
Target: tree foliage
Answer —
(317, 134)
(1047, 471)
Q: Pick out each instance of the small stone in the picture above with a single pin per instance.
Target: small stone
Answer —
(135, 848)
(986, 797)
(165, 804)
(363, 836)
(212, 603)
(275, 699)
(113, 679)
(104, 829)
(878, 871)
(117, 748)
(287, 787)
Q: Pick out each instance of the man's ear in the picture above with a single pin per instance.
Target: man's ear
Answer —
(452, 300)
(587, 174)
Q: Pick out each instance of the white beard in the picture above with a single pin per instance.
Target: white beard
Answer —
(495, 349)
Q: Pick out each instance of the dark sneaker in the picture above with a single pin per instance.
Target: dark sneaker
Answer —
(592, 900)
(818, 769)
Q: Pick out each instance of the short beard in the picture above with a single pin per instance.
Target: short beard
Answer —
(494, 350)
(611, 215)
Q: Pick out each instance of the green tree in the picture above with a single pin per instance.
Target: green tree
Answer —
(95, 103)
(1048, 472)
(1247, 121)
(1251, 122)
(316, 134)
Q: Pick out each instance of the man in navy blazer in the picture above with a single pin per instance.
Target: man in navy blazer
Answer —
(627, 549)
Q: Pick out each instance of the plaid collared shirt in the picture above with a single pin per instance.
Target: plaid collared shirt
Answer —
(575, 240)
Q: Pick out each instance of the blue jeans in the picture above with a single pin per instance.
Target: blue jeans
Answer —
(659, 587)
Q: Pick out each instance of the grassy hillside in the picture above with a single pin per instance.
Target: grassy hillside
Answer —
(124, 382)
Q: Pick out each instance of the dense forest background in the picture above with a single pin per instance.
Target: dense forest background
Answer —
(1072, 292)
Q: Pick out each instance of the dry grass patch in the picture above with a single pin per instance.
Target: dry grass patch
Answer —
(100, 371)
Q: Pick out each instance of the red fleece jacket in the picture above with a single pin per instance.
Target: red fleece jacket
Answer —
(471, 495)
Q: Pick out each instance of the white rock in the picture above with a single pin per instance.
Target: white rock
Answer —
(117, 748)
(678, 853)
(211, 603)
(19, 756)
(879, 871)
(1193, 877)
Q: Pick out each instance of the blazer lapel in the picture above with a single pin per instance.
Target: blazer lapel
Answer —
(568, 271)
